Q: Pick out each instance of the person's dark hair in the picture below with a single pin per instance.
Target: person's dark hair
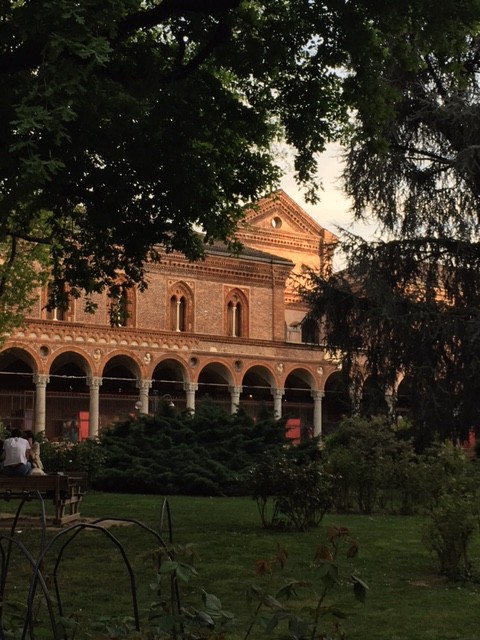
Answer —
(28, 434)
(17, 433)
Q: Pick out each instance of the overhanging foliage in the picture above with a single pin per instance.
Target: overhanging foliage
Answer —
(134, 123)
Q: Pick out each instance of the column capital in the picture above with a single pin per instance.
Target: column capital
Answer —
(144, 384)
(190, 386)
(277, 392)
(317, 394)
(94, 382)
(41, 379)
(235, 389)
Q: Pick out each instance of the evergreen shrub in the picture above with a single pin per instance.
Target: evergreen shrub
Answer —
(206, 453)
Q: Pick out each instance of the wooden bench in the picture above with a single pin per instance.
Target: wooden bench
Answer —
(66, 492)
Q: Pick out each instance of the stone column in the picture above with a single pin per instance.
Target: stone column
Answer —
(177, 315)
(190, 388)
(317, 411)
(235, 395)
(277, 402)
(234, 321)
(391, 400)
(144, 386)
(40, 381)
(94, 384)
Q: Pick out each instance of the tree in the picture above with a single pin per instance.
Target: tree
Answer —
(409, 304)
(23, 268)
(133, 123)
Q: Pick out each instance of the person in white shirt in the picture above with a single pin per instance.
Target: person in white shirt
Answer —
(16, 460)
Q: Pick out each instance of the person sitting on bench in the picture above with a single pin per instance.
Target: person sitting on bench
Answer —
(37, 465)
(16, 460)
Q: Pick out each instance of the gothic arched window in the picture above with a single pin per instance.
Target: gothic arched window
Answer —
(310, 331)
(236, 314)
(181, 308)
(58, 312)
(122, 309)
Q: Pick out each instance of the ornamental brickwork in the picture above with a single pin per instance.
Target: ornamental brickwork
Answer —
(227, 327)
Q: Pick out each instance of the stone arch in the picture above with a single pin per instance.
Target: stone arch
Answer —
(298, 404)
(404, 398)
(215, 380)
(168, 379)
(20, 354)
(257, 385)
(119, 372)
(373, 401)
(118, 393)
(336, 402)
(302, 377)
(69, 370)
(67, 395)
(18, 367)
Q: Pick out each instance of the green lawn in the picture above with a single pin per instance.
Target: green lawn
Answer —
(406, 599)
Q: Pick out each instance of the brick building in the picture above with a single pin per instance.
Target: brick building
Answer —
(228, 326)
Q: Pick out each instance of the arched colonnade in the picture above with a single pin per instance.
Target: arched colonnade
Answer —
(47, 392)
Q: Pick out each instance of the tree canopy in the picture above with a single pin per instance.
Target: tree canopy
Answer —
(128, 125)
(134, 124)
(409, 305)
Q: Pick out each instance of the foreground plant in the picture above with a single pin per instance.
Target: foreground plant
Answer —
(323, 616)
(320, 617)
(291, 487)
(453, 515)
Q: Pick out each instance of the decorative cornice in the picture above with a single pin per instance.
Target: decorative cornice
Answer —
(151, 343)
(69, 333)
(221, 269)
(277, 239)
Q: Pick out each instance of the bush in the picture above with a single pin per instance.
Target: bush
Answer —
(206, 453)
(453, 510)
(291, 487)
(86, 456)
(372, 467)
(448, 533)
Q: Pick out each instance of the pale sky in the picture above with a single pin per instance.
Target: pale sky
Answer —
(333, 208)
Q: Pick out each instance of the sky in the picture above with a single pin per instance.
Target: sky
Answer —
(333, 209)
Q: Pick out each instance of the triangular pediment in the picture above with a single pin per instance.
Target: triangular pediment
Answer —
(279, 215)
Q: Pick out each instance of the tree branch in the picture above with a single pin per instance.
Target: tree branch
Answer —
(219, 34)
(33, 239)
(30, 53)
(8, 265)
(424, 153)
(169, 9)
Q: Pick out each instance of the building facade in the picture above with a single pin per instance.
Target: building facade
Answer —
(228, 327)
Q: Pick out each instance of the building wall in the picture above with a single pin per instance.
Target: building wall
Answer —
(85, 352)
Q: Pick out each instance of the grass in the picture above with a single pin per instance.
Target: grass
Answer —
(406, 600)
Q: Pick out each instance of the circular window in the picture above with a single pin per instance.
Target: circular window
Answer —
(276, 222)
